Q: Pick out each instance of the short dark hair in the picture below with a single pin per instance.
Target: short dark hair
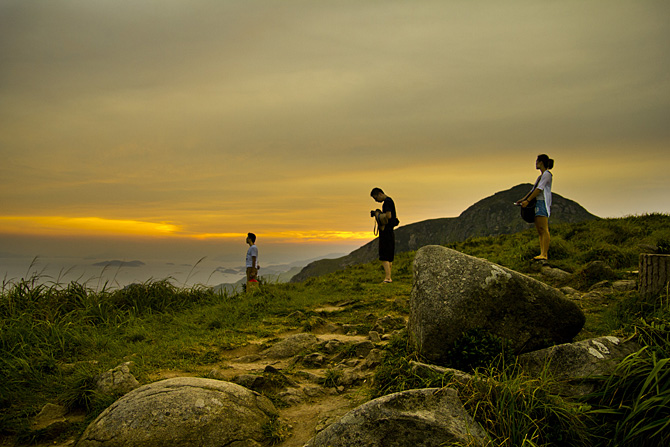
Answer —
(376, 191)
(251, 236)
(546, 161)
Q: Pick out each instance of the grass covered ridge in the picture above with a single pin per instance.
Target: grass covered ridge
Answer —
(56, 338)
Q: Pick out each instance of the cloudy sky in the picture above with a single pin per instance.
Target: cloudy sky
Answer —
(185, 124)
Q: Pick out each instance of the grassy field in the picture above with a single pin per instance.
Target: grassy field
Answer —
(56, 338)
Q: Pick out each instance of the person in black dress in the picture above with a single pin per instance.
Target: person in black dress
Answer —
(387, 219)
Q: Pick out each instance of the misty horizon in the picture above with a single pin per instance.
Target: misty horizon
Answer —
(96, 273)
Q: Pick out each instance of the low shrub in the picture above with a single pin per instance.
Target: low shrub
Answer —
(395, 373)
(477, 348)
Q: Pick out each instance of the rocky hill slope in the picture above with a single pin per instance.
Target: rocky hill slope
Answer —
(490, 216)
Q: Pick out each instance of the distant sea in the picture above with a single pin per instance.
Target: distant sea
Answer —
(112, 273)
(118, 273)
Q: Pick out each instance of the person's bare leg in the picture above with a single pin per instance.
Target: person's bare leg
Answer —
(542, 227)
(387, 271)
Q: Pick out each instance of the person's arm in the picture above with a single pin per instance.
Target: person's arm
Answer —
(530, 196)
(389, 213)
(382, 218)
(254, 257)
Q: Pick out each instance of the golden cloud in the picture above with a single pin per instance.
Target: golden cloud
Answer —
(60, 225)
(98, 226)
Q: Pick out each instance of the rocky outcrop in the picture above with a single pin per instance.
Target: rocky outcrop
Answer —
(182, 412)
(573, 364)
(291, 346)
(424, 417)
(454, 293)
(490, 216)
(51, 421)
(118, 380)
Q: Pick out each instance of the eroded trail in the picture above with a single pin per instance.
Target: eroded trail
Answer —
(313, 378)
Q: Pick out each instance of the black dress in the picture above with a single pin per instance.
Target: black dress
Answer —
(386, 236)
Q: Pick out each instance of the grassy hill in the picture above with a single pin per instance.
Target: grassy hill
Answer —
(56, 338)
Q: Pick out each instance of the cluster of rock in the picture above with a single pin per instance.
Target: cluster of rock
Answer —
(233, 410)
(321, 366)
(452, 293)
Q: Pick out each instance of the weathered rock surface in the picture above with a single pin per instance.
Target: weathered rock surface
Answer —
(424, 370)
(454, 292)
(50, 414)
(118, 380)
(595, 271)
(555, 273)
(423, 417)
(291, 346)
(573, 363)
(624, 285)
(184, 412)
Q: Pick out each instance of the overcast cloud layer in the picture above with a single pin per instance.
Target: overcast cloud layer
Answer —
(212, 118)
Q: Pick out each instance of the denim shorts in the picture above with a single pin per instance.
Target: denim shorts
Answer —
(541, 209)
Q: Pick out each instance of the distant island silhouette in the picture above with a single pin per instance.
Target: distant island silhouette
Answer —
(117, 263)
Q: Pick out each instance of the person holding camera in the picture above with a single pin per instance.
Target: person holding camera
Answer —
(542, 193)
(385, 220)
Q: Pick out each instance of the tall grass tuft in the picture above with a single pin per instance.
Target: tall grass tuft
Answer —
(518, 410)
(396, 374)
(632, 406)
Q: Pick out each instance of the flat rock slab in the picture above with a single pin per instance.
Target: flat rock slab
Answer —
(573, 363)
(290, 346)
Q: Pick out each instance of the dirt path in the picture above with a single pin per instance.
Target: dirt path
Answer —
(315, 378)
(312, 406)
(307, 418)
(305, 406)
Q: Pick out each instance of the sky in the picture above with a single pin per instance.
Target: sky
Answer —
(165, 128)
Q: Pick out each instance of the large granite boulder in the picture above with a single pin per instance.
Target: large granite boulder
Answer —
(454, 293)
(182, 412)
(423, 417)
(574, 365)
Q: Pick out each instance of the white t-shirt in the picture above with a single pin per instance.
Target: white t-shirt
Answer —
(253, 251)
(544, 185)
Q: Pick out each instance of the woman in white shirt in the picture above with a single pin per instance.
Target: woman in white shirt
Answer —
(542, 192)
